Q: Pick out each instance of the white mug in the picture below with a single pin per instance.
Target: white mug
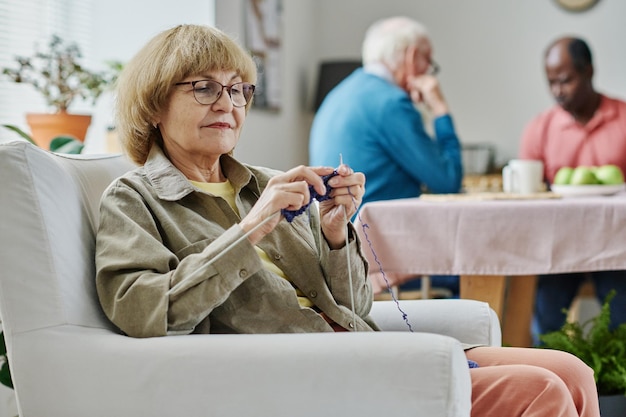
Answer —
(522, 176)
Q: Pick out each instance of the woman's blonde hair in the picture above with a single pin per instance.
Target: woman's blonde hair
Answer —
(147, 80)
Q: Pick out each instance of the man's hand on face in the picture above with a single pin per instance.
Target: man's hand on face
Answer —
(425, 89)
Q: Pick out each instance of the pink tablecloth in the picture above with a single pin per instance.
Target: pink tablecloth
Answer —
(503, 237)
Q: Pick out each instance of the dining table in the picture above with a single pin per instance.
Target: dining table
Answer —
(498, 243)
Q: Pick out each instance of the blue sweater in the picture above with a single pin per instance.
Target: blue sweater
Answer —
(374, 125)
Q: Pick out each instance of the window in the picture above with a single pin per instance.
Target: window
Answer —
(26, 23)
(104, 30)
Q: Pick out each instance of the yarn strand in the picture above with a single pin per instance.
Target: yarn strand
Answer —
(366, 226)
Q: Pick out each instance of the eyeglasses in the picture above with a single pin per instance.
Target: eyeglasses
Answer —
(433, 68)
(209, 91)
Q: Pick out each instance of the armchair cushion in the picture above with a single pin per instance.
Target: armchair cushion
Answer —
(92, 372)
(469, 321)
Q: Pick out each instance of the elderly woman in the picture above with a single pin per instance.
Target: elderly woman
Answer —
(194, 241)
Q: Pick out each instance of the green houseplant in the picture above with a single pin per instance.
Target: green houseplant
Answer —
(60, 144)
(58, 75)
(600, 347)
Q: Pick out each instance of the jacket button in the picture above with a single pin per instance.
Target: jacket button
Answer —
(313, 294)
(351, 325)
(243, 273)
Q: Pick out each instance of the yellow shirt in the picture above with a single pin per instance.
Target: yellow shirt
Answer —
(227, 192)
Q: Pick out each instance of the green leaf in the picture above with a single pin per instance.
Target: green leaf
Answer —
(21, 133)
(5, 375)
(3, 346)
(596, 344)
(66, 144)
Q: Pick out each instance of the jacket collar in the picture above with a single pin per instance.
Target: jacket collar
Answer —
(171, 185)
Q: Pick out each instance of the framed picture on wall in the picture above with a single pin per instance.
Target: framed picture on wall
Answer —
(264, 41)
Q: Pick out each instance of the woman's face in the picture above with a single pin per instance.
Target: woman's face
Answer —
(194, 132)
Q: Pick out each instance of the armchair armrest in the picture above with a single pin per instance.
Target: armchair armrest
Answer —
(94, 372)
(469, 321)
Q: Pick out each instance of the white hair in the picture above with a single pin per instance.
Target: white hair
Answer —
(386, 40)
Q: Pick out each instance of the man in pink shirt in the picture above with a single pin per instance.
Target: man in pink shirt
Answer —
(584, 128)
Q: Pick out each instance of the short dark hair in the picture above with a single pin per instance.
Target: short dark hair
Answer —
(580, 53)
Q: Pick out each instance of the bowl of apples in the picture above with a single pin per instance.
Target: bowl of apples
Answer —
(588, 181)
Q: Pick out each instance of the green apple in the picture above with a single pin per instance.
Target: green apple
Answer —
(583, 175)
(563, 176)
(609, 174)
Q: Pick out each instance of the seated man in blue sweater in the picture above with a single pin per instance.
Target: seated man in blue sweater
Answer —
(371, 119)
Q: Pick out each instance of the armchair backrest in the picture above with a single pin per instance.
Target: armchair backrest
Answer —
(45, 253)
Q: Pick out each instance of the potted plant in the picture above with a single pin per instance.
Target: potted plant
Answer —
(603, 349)
(60, 144)
(58, 76)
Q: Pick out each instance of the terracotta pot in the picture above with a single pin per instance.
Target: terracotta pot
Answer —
(46, 126)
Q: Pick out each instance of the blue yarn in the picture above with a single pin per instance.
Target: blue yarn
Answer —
(292, 214)
(472, 364)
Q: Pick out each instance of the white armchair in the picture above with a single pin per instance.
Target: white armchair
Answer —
(67, 360)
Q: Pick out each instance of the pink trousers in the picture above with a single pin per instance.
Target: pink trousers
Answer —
(531, 382)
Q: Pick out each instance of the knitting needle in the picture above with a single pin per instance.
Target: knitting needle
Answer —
(345, 217)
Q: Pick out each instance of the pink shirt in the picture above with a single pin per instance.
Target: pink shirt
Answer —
(555, 138)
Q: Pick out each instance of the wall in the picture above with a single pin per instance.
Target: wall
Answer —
(280, 139)
(490, 52)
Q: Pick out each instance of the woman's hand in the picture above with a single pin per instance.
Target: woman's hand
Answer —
(289, 191)
(347, 192)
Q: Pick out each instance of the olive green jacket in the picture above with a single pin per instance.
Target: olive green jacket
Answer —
(171, 259)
